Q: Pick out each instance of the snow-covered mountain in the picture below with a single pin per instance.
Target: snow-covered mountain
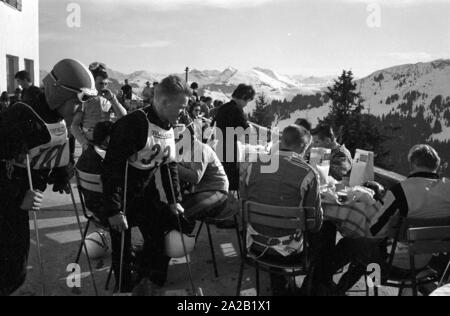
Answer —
(221, 84)
(202, 77)
(406, 90)
(409, 90)
(273, 85)
(258, 77)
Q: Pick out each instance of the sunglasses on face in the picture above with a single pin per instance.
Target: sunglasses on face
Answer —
(83, 94)
(85, 98)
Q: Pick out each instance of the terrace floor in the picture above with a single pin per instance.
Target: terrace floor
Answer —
(60, 238)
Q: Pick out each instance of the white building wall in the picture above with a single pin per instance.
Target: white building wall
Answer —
(19, 36)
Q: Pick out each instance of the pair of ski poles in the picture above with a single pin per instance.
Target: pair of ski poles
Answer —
(122, 248)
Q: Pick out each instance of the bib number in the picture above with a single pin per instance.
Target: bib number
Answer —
(156, 151)
(54, 157)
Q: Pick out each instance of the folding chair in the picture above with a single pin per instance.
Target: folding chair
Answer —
(275, 217)
(211, 221)
(426, 240)
(443, 280)
(240, 233)
(93, 183)
(422, 237)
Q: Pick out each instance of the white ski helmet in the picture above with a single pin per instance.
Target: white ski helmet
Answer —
(174, 244)
(97, 245)
(66, 84)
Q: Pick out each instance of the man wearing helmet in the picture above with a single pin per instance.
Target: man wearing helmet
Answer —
(39, 131)
(144, 144)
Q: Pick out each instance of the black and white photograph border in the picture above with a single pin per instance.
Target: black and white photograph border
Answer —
(224, 153)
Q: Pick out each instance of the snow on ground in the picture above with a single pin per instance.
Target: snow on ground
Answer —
(442, 136)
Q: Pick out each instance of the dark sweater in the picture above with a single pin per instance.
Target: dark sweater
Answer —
(128, 137)
(230, 115)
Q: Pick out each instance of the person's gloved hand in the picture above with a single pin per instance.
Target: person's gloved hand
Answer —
(60, 178)
(61, 187)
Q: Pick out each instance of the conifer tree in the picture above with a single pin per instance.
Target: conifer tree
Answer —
(355, 129)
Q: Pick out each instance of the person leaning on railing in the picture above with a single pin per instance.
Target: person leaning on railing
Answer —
(424, 195)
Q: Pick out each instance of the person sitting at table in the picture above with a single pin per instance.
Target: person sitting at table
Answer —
(341, 158)
(293, 184)
(424, 195)
(340, 166)
(209, 195)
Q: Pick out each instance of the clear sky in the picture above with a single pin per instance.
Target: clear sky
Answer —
(310, 37)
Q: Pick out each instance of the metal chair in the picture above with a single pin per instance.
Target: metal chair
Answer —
(422, 237)
(275, 217)
(211, 221)
(93, 183)
(443, 280)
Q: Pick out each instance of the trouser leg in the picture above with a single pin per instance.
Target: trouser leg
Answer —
(155, 263)
(201, 206)
(323, 244)
(155, 220)
(278, 284)
(360, 253)
(355, 272)
(14, 225)
(14, 250)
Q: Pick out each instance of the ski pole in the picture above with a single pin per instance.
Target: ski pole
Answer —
(83, 240)
(188, 263)
(122, 245)
(36, 230)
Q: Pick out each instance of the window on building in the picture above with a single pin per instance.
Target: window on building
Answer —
(29, 67)
(12, 67)
(14, 3)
